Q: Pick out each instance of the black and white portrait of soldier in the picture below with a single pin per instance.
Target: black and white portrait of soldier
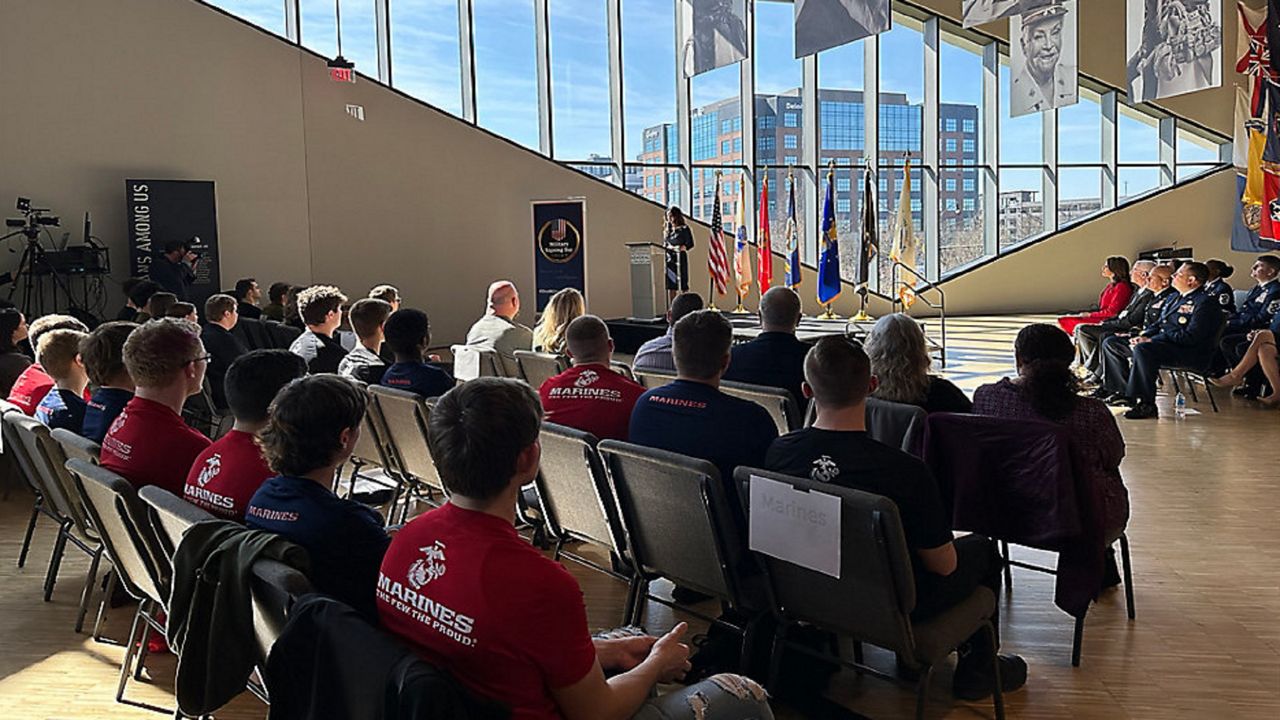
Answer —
(719, 35)
(1174, 47)
(824, 24)
(1042, 62)
(977, 12)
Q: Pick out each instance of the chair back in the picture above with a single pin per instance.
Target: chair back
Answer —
(781, 406)
(405, 415)
(676, 517)
(536, 367)
(13, 445)
(875, 593)
(49, 462)
(470, 363)
(253, 333)
(371, 447)
(895, 424)
(280, 336)
(113, 506)
(75, 446)
(273, 588)
(577, 501)
(623, 369)
(651, 379)
(171, 516)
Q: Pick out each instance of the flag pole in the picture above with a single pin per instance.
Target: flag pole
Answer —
(862, 315)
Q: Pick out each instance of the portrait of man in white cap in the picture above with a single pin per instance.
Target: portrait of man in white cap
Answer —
(1043, 58)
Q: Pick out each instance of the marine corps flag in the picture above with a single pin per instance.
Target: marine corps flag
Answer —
(904, 243)
(829, 261)
(793, 239)
(764, 242)
(741, 255)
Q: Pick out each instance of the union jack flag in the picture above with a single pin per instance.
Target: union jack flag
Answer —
(717, 260)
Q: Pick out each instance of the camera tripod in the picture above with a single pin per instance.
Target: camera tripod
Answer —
(30, 276)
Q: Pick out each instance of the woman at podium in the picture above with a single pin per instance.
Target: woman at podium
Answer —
(677, 239)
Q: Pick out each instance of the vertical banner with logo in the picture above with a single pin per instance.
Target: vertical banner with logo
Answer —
(163, 210)
(559, 246)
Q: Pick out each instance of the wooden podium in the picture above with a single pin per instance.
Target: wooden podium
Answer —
(648, 263)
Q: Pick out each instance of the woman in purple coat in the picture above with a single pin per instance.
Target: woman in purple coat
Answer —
(1046, 389)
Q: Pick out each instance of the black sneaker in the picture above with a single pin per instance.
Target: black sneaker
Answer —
(1102, 394)
(1143, 411)
(972, 682)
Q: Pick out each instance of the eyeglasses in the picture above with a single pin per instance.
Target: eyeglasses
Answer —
(205, 358)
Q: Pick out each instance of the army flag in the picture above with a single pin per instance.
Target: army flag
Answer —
(764, 242)
(904, 242)
(829, 261)
(793, 236)
(741, 254)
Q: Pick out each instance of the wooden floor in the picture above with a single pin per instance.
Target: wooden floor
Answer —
(1206, 643)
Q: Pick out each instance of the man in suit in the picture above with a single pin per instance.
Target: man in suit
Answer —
(221, 315)
(1254, 314)
(1089, 337)
(1116, 352)
(776, 357)
(1184, 337)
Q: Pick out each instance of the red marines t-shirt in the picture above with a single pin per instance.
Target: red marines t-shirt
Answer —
(470, 595)
(149, 444)
(225, 476)
(592, 398)
(30, 388)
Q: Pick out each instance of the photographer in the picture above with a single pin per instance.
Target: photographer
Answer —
(175, 269)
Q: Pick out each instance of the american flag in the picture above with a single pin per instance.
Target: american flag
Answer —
(558, 229)
(717, 261)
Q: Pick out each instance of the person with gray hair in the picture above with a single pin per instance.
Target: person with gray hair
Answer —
(590, 396)
(498, 329)
(1089, 336)
(775, 358)
(900, 361)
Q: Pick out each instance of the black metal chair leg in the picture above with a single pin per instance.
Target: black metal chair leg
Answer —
(129, 644)
(87, 594)
(55, 560)
(1077, 642)
(1128, 575)
(144, 649)
(641, 600)
(1008, 569)
(1208, 390)
(775, 657)
(1176, 387)
(31, 528)
(922, 691)
(997, 694)
(102, 607)
(1191, 385)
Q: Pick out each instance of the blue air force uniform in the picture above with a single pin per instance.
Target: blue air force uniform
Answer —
(1116, 351)
(1254, 314)
(1184, 336)
(1225, 295)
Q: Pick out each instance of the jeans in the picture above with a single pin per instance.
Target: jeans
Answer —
(719, 697)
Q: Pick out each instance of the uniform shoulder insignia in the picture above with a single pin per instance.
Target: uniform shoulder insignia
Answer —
(1273, 307)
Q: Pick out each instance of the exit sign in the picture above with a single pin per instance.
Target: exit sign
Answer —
(340, 74)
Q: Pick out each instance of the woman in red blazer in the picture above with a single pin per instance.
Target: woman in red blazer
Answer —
(1114, 298)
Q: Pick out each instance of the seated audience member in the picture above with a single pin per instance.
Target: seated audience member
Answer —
(900, 361)
(590, 396)
(388, 294)
(1255, 314)
(837, 449)
(1046, 389)
(160, 304)
(1116, 351)
(1089, 337)
(1114, 298)
(655, 354)
(225, 476)
(13, 330)
(1259, 359)
(130, 309)
(248, 295)
(364, 363)
(562, 308)
(292, 315)
(103, 354)
(33, 382)
(408, 335)
(498, 330)
(184, 311)
(532, 651)
(221, 313)
(1184, 335)
(140, 298)
(321, 309)
(276, 295)
(174, 269)
(1217, 286)
(149, 444)
(775, 358)
(691, 416)
(312, 426)
(63, 406)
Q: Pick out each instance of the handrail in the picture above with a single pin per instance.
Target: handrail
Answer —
(921, 286)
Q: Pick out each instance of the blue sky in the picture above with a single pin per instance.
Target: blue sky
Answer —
(425, 64)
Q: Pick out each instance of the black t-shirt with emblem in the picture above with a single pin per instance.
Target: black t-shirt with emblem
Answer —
(852, 459)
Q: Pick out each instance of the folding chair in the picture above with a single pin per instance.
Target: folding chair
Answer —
(405, 416)
(14, 446)
(651, 379)
(75, 446)
(49, 461)
(1201, 371)
(370, 454)
(895, 424)
(273, 588)
(536, 367)
(781, 406)
(872, 599)
(171, 517)
(280, 336)
(623, 369)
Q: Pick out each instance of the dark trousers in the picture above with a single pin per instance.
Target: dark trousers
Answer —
(1089, 339)
(977, 564)
(1116, 358)
(1149, 357)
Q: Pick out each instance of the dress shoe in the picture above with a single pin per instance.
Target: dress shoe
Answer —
(1142, 411)
(1119, 400)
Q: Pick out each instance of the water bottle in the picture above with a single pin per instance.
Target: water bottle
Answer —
(1180, 406)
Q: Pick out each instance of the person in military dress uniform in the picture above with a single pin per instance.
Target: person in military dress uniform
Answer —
(1044, 82)
(1117, 352)
(1259, 307)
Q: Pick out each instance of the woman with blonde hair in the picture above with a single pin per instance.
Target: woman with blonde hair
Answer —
(562, 309)
(900, 362)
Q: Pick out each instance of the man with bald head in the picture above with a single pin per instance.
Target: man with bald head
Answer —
(498, 330)
(776, 357)
(590, 396)
(1089, 337)
(1115, 353)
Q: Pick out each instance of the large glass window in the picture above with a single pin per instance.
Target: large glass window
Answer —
(580, 79)
(842, 134)
(424, 51)
(507, 69)
(649, 80)
(359, 31)
(267, 14)
(901, 132)
(778, 76)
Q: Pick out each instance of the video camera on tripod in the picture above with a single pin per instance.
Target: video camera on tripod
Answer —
(32, 219)
(86, 264)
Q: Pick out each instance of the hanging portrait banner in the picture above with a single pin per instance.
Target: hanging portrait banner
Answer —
(1043, 57)
(716, 34)
(160, 211)
(824, 24)
(978, 12)
(1174, 47)
(559, 247)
